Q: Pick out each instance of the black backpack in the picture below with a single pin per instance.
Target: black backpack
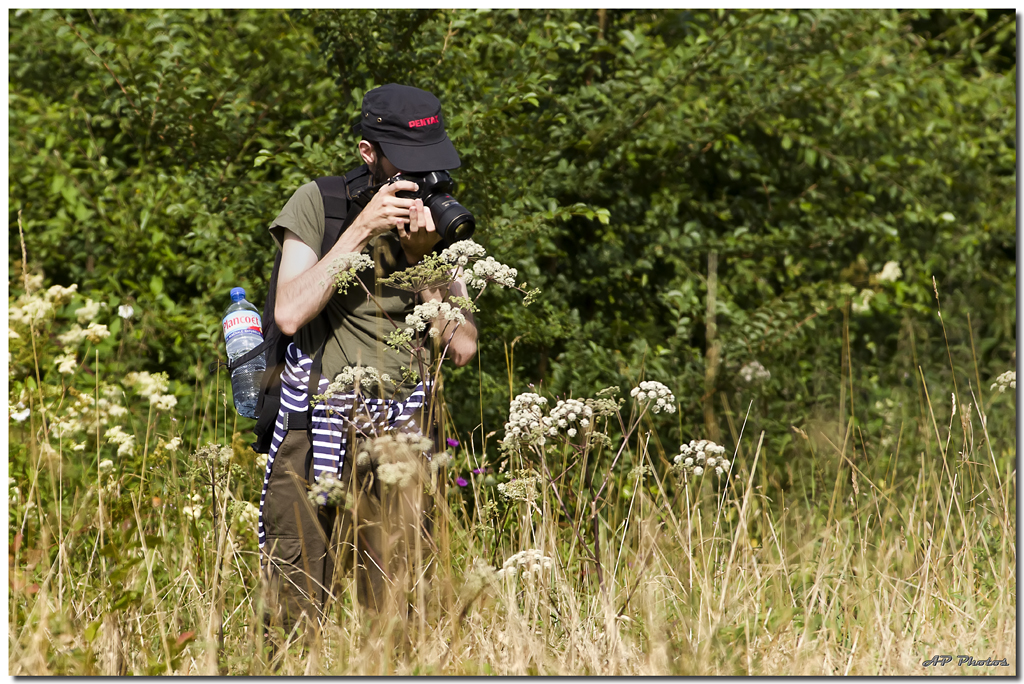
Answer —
(337, 193)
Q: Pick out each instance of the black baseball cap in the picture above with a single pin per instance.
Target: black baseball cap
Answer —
(407, 124)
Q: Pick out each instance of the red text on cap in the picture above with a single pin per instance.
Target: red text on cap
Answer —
(423, 122)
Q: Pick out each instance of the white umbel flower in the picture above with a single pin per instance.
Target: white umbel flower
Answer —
(568, 415)
(73, 336)
(88, 311)
(527, 425)
(350, 261)
(399, 458)
(428, 311)
(96, 332)
(891, 272)
(367, 377)
(753, 373)
(529, 564)
(523, 487)
(148, 384)
(1007, 379)
(66, 363)
(328, 491)
(862, 304)
(30, 309)
(461, 252)
(153, 386)
(660, 396)
(163, 402)
(701, 454)
(490, 271)
(125, 442)
(343, 270)
(61, 295)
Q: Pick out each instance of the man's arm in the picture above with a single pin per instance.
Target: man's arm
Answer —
(418, 237)
(463, 339)
(304, 285)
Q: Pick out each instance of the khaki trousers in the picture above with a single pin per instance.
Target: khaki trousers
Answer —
(309, 548)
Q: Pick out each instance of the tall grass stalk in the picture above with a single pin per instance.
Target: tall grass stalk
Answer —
(835, 559)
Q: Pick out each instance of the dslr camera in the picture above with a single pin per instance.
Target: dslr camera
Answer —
(452, 220)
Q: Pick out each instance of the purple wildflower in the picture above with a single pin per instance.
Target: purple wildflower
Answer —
(461, 482)
(477, 471)
(452, 442)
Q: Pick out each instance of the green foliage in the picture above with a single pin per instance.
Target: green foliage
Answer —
(133, 139)
(605, 154)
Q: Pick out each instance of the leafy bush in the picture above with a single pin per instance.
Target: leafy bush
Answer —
(606, 155)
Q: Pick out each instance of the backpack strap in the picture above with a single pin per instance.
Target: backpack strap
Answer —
(336, 192)
(249, 355)
(269, 403)
(332, 189)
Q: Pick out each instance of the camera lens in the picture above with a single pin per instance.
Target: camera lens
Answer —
(452, 220)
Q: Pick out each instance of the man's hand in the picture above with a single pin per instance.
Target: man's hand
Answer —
(419, 235)
(384, 211)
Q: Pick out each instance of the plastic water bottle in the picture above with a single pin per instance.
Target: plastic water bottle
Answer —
(243, 331)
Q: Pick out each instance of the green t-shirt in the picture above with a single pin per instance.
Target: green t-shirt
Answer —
(355, 327)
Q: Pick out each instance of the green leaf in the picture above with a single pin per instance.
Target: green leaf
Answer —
(92, 630)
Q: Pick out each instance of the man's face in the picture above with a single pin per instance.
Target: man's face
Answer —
(386, 168)
(383, 169)
(380, 167)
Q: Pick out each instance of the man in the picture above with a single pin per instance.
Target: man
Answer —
(403, 131)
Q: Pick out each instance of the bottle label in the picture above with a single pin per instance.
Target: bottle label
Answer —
(239, 323)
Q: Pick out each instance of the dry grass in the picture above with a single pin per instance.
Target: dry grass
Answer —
(830, 558)
(883, 578)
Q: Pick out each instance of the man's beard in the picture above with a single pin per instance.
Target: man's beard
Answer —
(377, 175)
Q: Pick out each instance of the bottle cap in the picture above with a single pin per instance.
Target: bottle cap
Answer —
(237, 294)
